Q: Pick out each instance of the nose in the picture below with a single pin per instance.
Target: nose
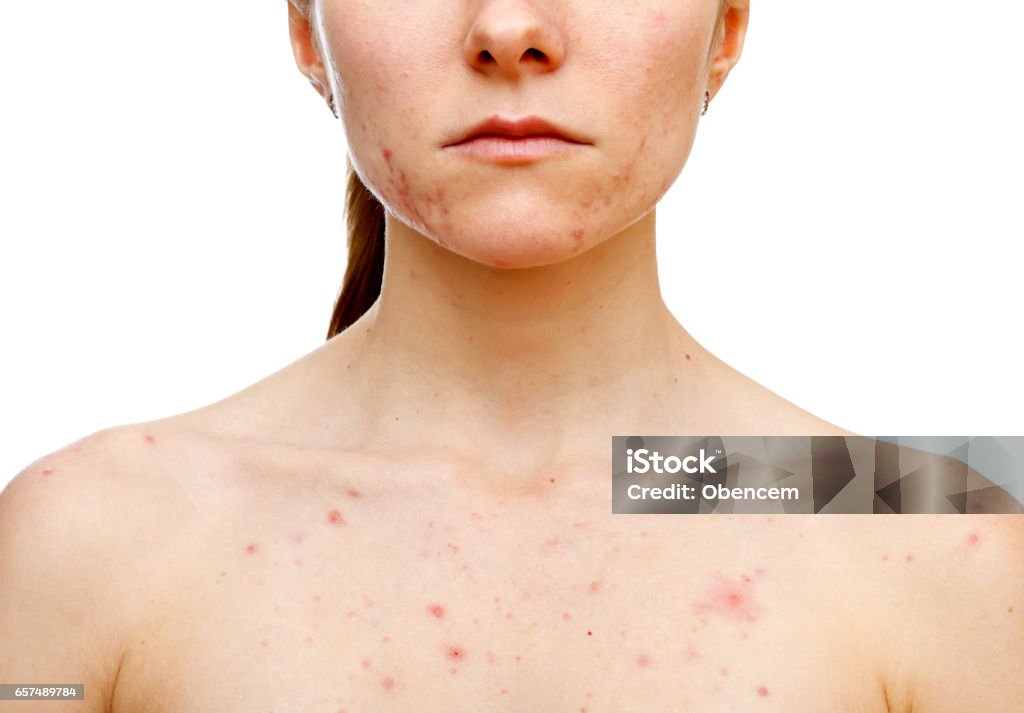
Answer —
(511, 38)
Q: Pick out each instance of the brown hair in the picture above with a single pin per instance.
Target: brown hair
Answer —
(360, 287)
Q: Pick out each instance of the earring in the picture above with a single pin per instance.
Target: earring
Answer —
(334, 109)
(707, 100)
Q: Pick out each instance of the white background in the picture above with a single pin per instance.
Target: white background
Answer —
(171, 224)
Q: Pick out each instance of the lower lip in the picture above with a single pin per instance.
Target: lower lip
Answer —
(514, 150)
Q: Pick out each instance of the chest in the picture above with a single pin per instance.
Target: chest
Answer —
(412, 609)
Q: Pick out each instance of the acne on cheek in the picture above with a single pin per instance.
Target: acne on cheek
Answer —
(422, 208)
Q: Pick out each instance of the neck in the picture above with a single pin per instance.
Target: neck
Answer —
(541, 359)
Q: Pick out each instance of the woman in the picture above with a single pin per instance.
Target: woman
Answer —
(416, 514)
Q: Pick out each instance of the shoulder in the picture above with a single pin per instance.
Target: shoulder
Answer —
(81, 530)
(99, 486)
(955, 622)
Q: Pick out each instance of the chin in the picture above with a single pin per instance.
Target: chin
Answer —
(506, 245)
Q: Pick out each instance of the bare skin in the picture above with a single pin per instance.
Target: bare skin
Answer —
(416, 515)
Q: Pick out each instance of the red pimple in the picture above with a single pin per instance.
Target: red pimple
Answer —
(437, 610)
(732, 599)
(387, 683)
(353, 493)
(642, 661)
(566, 616)
(910, 557)
(595, 586)
(251, 547)
(366, 663)
(762, 691)
(885, 558)
(149, 439)
(454, 653)
(972, 540)
(334, 517)
(724, 671)
(590, 633)
(47, 471)
(387, 154)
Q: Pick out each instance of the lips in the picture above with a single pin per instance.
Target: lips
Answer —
(533, 126)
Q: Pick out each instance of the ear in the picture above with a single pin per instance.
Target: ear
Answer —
(730, 43)
(307, 55)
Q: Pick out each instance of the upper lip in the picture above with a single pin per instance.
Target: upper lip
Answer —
(525, 126)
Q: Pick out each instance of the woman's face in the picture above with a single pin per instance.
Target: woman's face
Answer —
(411, 77)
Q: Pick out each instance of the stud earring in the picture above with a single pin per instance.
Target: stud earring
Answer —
(707, 100)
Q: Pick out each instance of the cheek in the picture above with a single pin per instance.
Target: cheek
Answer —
(659, 84)
(377, 88)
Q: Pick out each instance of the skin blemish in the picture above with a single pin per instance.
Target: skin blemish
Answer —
(353, 493)
(387, 683)
(297, 562)
(366, 663)
(731, 599)
(454, 653)
(265, 642)
(590, 633)
(47, 471)
(436, 610)
(972, 539)
(150, 439)
(723, 671)
(910, 558)
(250, 548)
(762, 691)
(387, 154)
(885, 558)
(334, 517)
(642, 661)
(595, 587)
(688, 357)
(566, 616)
(297, 537)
